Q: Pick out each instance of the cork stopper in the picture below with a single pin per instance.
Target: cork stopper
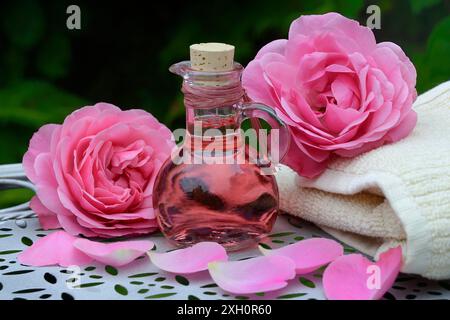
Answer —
(212, 56)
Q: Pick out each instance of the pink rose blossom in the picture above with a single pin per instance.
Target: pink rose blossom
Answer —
(339, 91)
(94, 174)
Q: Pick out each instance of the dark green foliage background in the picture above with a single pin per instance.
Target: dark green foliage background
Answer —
(123, 50)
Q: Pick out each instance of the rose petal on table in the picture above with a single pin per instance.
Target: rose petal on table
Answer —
(115, 254)
(54, 249)
(353, 277)
(309, 254)
(189, 260)
(261, 274)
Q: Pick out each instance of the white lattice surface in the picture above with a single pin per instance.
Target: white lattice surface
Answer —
(141, 280)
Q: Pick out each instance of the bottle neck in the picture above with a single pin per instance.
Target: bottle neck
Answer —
(213, 105)
(212, 118)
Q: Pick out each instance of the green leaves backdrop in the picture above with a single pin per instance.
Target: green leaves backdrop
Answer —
(122, 52)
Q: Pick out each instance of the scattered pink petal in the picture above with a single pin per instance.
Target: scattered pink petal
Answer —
(115, 254)
(189, 260)
(353, 277)
(54, 249)
(259, 274)
(309, 254)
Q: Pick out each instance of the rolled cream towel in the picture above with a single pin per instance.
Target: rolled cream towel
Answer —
(396, 194)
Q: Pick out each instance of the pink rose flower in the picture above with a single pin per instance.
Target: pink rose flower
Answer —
(94, 174)
(339, 91)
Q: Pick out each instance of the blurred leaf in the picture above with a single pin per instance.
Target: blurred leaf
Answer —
(178, 47)
(176, 110)
(350, 9)
(313, 7)
(54, 56)
(418, 5)
(385, 5)
(436, 62)
(13, 143)
(13, 65)
(11, 197)
(35, 102)
(23, 22)
(418, 59)
(24, 107)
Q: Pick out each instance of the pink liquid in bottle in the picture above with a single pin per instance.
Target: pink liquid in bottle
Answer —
(232, 204)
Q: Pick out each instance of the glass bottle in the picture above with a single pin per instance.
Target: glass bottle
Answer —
(215, 187)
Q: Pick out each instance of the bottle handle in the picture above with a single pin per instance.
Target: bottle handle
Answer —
(279, 139)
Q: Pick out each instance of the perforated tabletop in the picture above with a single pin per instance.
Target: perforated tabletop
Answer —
(142, 280)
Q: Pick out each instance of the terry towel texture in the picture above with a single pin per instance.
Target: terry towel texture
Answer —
(396, 194)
